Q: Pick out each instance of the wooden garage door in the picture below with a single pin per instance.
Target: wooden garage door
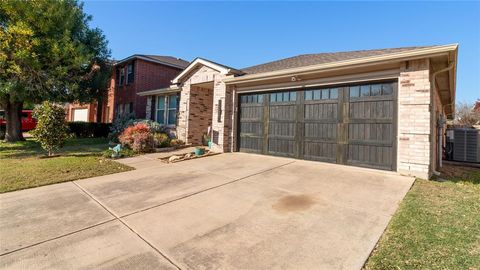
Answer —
(347, 125)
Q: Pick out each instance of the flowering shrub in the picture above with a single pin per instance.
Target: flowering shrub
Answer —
(161, 140)
(176, 142)
(138, 137)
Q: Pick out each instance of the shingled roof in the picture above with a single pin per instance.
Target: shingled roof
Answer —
(321, 58)
(168, 59)
(162, 59)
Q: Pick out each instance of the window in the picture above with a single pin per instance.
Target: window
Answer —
(2, 115)
(365, 90)
(166, 111)
(283, 97)
(172, 110)
(255, 98)
(318, 94)
(119, 109)
(371, 90)
(130, 74)
(121, 80)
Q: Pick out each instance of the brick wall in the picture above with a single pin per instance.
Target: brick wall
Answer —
(197, 108)
(414, 123)
(148, 76)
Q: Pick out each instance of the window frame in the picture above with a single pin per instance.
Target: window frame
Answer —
(167, 110)
(130, 73)
(121, 78)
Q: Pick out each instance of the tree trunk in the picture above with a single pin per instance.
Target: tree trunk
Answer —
(13, 116)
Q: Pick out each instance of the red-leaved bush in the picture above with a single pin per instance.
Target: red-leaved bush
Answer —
(138, 137)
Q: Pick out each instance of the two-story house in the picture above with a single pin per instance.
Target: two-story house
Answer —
(130, 76)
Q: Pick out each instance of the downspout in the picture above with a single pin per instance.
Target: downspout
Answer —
(440, 122)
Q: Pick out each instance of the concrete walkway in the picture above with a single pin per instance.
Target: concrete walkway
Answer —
(229, 211)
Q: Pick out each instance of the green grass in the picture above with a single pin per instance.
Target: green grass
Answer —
(437, 226)
(24, 165)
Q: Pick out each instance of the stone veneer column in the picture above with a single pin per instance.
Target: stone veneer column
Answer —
(222, 129)
(183, 107)
(148, 114)
(414, 119)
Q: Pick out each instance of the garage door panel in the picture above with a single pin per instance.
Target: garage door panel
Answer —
(371, 110)
(251, 144)
(321, 111)
(252, 113)
(286, 129)
(372, 155)
(322, 131)
(282, 112)
(348, 125)
(281, 147)
(252, 128)
(374, 132)
(322, 151)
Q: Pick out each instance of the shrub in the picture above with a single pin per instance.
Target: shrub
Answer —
(176, 142)
(89, 129)
(161, 140)
(120, 123)
(154, 126)
(138, 138)
(51, 130)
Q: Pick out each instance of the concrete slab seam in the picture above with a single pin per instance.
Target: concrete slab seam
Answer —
(205, 190)
(58, 237)
(119, 219)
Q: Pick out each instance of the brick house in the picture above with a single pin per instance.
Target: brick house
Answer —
(130, 77)
(383, 109)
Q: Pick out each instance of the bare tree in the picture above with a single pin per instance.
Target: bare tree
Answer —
(467, 114)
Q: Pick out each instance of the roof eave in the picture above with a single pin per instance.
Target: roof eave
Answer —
(137, 56)
(167, 90)
(220, 68)
(414, 54)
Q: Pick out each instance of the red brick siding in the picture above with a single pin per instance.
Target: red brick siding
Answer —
(148, 76)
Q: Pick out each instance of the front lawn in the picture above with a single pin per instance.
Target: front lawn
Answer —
(437, 226)
(23, 165)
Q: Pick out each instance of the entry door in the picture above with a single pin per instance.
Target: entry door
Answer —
(351, 124)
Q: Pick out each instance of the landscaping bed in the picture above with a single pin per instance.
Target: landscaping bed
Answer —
(187, 156)
(437, 226)
(23, 164)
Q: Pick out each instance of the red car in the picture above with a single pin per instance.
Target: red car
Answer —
(28, 122)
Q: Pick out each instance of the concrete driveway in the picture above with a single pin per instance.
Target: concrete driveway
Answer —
(230, 211)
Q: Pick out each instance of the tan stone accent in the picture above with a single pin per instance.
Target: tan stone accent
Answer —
(148, 111)
(414, 119)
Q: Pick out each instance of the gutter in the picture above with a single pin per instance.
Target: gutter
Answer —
(419, 53)
(440, 122)
(160, 91)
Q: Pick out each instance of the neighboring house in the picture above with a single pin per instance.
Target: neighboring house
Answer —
(86, 112)
(381, 109)
(139, 73)
(130, 76)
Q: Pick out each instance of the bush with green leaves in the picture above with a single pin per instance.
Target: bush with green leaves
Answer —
(51, 130)
(120, 123)
(161, 140)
